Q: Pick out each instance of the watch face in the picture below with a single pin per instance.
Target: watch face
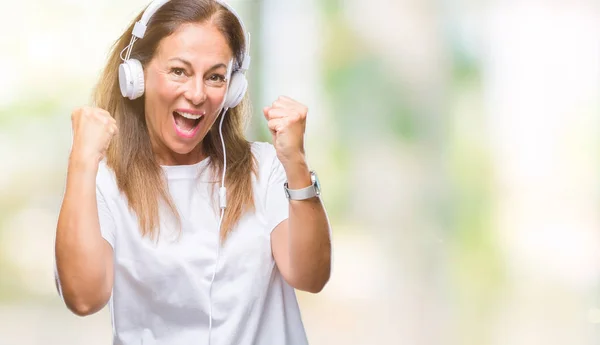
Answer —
(315, 181)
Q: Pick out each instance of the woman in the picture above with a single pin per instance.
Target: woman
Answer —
(176, 221)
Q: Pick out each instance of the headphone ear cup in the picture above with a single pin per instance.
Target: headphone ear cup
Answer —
(237, 89)
(131, 79)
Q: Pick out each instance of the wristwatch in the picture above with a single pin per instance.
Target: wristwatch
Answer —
(305, 193)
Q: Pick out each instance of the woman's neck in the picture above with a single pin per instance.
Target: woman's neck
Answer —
(165, 156)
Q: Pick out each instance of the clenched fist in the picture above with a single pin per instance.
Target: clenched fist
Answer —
(286, 119)
(93, 129)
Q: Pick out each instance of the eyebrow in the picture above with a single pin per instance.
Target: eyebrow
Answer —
(187, 63)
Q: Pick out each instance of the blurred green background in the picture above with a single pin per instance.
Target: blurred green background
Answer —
(456, 142)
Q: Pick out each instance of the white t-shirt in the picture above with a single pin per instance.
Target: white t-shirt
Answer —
(161, 289)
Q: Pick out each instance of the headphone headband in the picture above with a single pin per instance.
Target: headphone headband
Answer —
(139, 29)
(131, 72)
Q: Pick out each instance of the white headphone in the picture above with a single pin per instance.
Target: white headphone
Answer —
(131, 72)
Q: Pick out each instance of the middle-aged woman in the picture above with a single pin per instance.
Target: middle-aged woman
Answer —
(190, 233)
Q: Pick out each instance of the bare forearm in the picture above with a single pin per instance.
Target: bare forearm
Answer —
(309, 235)
(81, 252)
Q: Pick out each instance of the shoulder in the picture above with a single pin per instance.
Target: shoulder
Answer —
(269, 166)
(264, 152)
(106, 181)
(266, 155)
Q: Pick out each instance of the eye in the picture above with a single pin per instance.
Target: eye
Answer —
(217, 78)
(178, 71)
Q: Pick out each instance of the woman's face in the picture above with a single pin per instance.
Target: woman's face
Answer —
(185, 87)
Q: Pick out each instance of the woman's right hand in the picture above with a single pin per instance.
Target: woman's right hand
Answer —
(93, 129)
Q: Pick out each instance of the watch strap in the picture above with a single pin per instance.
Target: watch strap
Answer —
(300, 194)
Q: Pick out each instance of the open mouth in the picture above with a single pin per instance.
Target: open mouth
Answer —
(186, 125)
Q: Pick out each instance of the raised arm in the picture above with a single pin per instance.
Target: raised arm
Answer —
(84, 259)
(301, 244)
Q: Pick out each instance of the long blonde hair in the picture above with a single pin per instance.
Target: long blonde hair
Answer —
(139, 175)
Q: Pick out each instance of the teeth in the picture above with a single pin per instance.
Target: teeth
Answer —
(189, 116)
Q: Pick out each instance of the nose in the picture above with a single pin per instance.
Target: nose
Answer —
(195, 92)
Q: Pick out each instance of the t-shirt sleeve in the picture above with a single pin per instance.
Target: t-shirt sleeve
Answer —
(107, 224)
(57, 280)
(277, 205)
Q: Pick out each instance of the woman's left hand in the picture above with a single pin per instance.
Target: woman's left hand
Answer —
(286, 119)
